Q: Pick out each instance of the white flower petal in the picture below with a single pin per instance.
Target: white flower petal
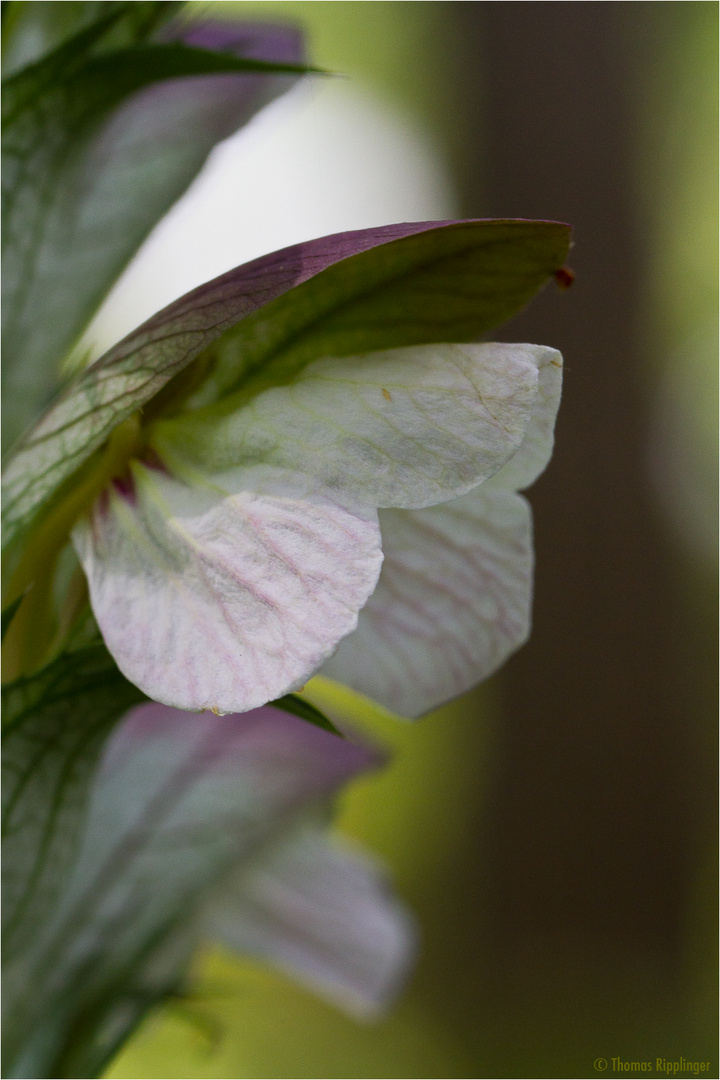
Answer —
(323, 912)
(537, 447)
(223, 601)
(401, 428)
(452, 602)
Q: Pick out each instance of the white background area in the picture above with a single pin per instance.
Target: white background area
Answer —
(327, 157)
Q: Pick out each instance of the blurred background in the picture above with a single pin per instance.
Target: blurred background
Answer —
(555, 830)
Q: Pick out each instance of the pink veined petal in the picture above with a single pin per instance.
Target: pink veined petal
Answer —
(216, 600)
(452, 602)
(324, 913)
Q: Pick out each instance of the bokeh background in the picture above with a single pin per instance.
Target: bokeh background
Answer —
(554, 831)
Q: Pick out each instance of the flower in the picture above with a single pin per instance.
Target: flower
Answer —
(243, 446)
(227, 568)
(202, 827)
(453, 600)
(229, 473)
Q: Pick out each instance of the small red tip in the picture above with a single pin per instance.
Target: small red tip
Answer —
(564, 277)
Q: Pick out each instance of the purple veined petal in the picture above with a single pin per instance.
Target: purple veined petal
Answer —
(278, 42)
(195, 320)
(284, 762)
(322, 297)
(323, 912)
(209, 599)
(73, 238)
(179, 803)
(452, 602)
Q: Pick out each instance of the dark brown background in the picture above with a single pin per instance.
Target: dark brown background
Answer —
(590, 852)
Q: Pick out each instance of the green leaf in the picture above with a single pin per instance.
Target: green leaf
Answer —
(262, 323)
(55, 724)
(33, 28)
(298, 706)
(9, 613)
(96, 147)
